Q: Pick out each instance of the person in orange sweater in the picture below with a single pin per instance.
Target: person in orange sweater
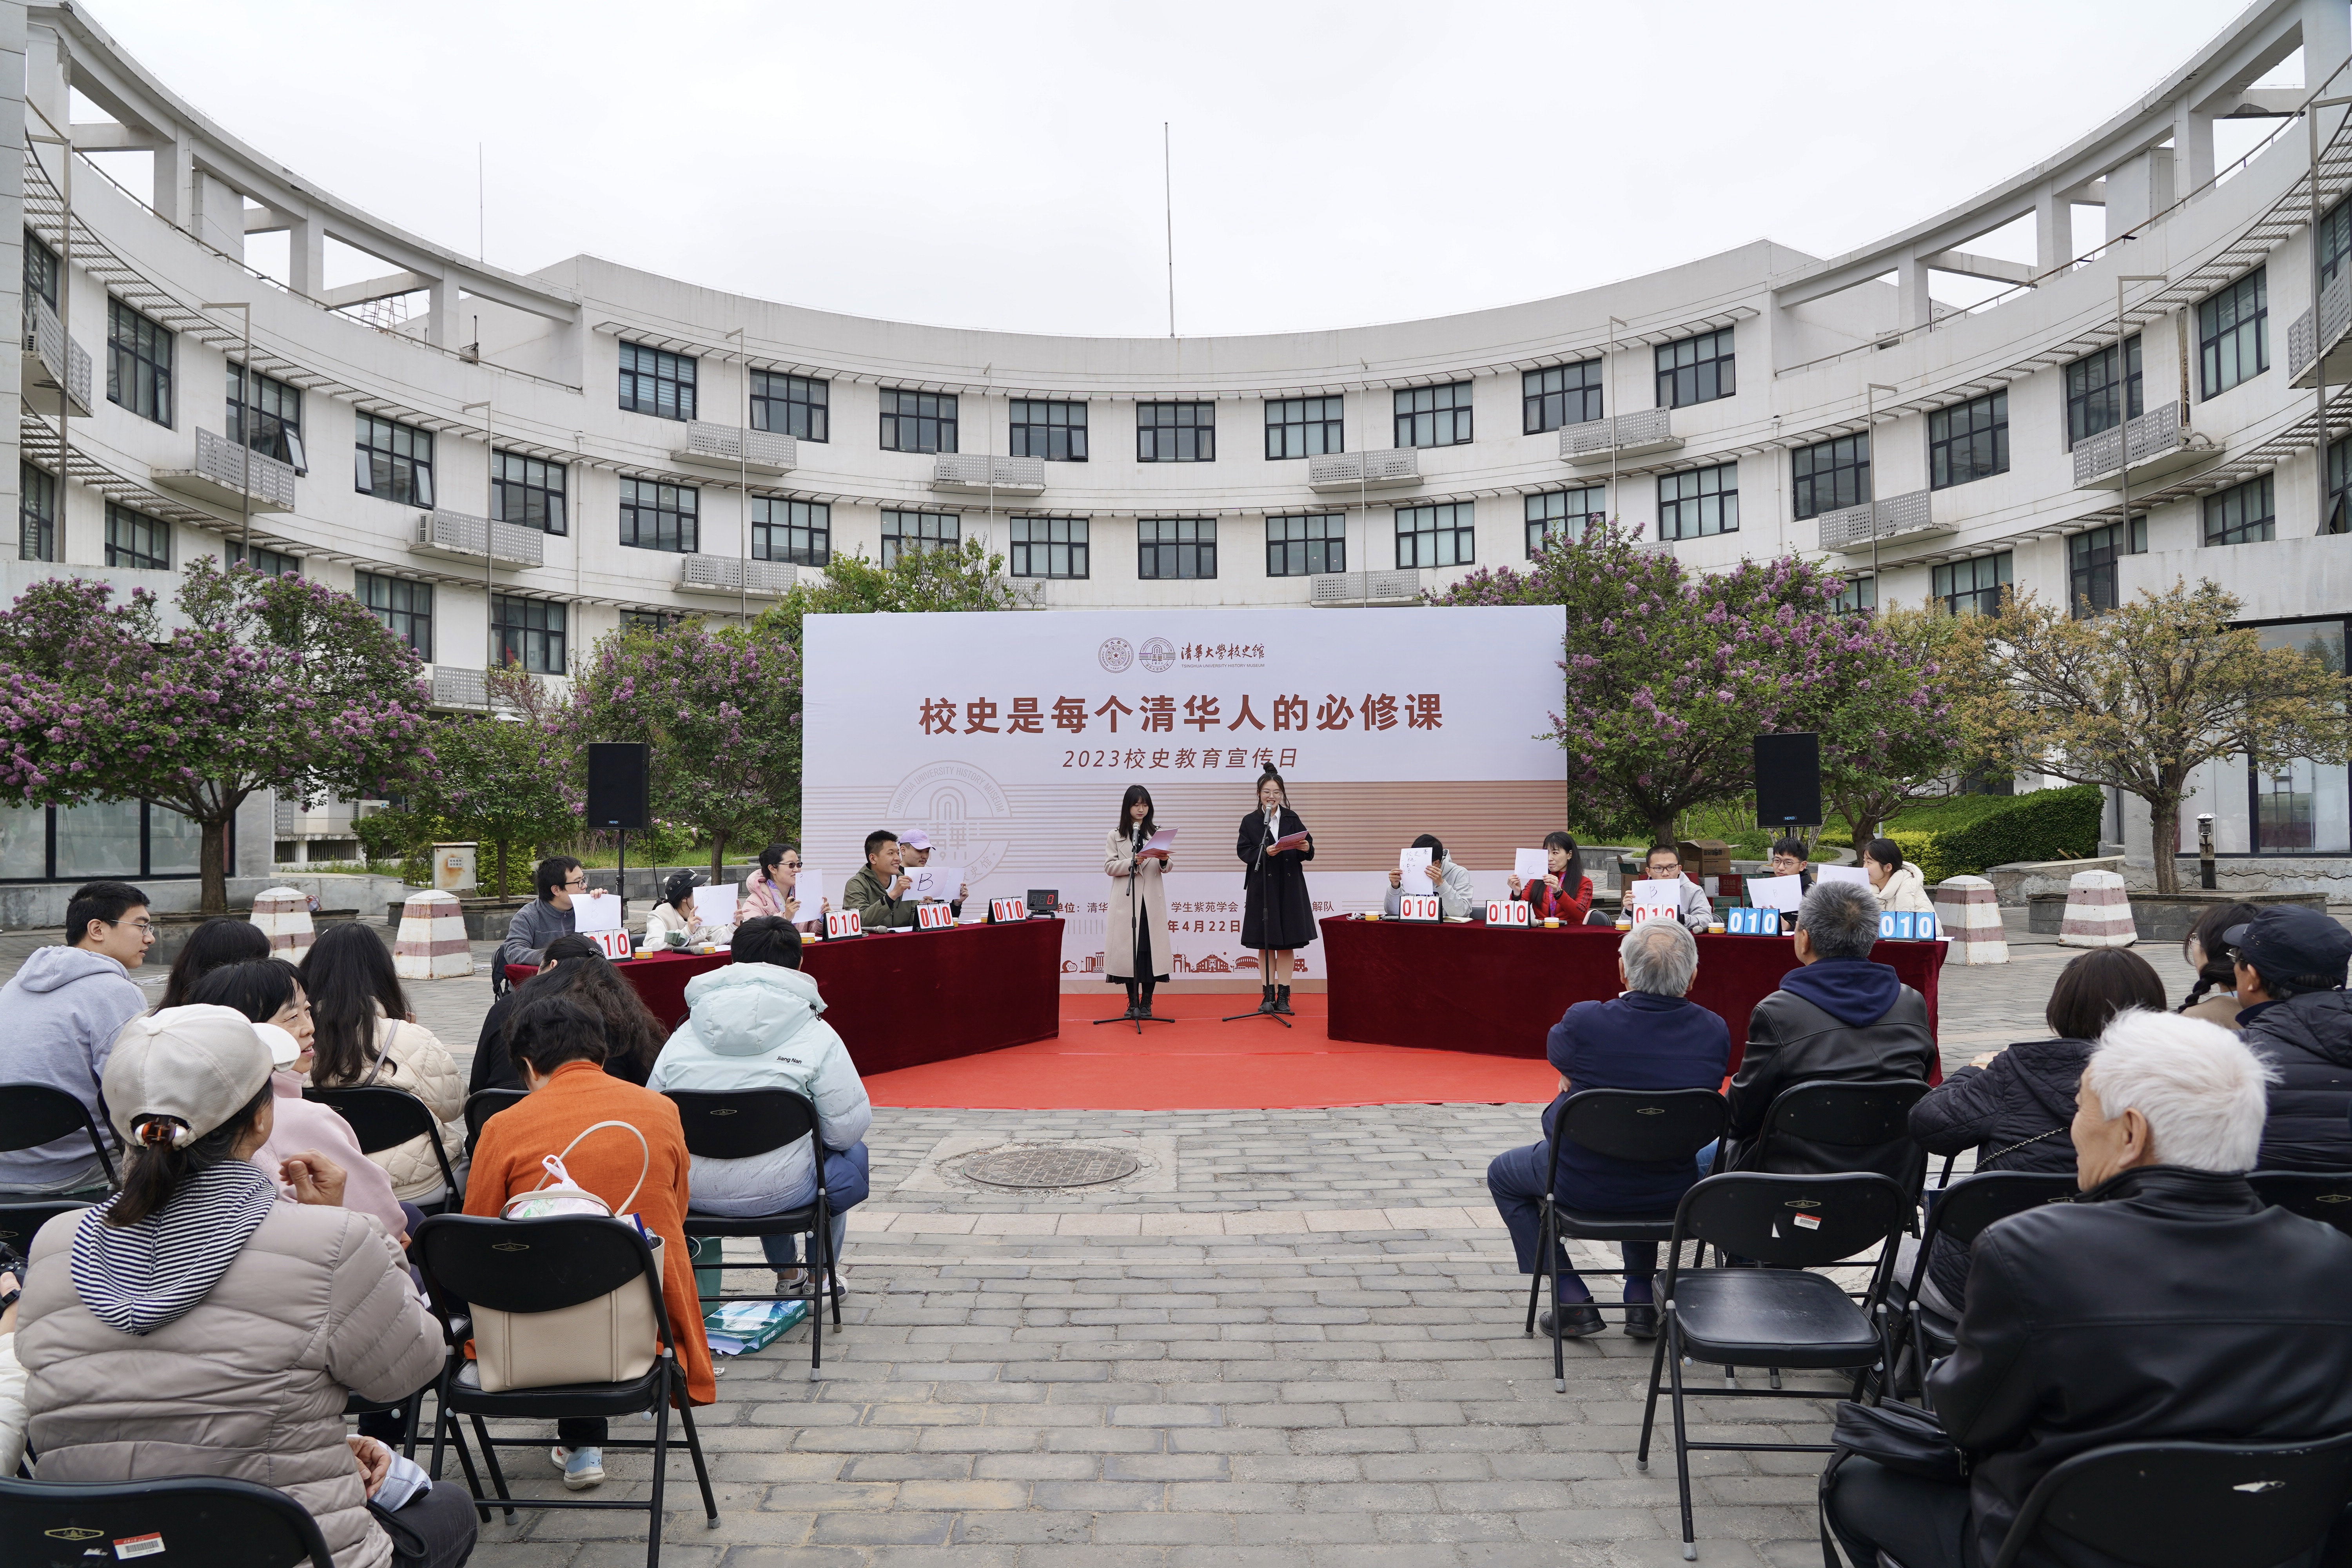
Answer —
(560, 1046)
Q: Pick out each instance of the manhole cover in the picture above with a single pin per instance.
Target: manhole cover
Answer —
(1054, 1167)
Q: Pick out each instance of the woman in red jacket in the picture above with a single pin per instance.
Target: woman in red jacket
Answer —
(1550, 896)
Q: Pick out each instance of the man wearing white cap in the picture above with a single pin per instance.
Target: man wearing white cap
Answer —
(915, 852)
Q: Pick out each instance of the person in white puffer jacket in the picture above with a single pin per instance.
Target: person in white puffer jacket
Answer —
(1898, 888)
(756, 1024)
(365, 1037)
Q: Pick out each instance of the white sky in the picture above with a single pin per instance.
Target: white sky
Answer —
(1000, 166)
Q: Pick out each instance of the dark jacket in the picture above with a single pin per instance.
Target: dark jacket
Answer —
(1276, 915)
(1842, 1018)
(2308, 1039)
(2018, 1112)
(1633, 1041)
(2164, 1303)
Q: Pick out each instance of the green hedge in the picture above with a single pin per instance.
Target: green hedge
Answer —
(1964, 838)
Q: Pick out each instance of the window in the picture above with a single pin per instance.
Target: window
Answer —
(1972, 587)
(2090, 391)
(527, 491)
(1049, 547)
(653, 620)
(1858, 595)
(138, 363)
(800, 532)
(405, 608)
(275, 415)
(918, 421)
(1302, 546)
(1438, 535)
(1173, 547)
(1175, 432)
(1699, 502)
(2242, 514)
(134, 539)
(1053, 431)
(1831, 475)
(2294, 806)
(37, 514)
(395, 461)
(2234, 341)
(1696, 370)
(40, 270)
(1433, 416)
(528, 633)
(268, 563)
(2339, 481)
(1562, 395)
(912, 533)
(1559, 517)
(111, 838)
(791, 406)
(656, 382)
(2335, 242)
(1968, 442)
(2091, 557)
(1304, 426)
(657, 516)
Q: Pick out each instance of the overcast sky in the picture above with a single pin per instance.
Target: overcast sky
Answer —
(1000, 166)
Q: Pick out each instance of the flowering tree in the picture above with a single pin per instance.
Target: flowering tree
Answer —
(919, 581)
(1891, 735)
(271, 683)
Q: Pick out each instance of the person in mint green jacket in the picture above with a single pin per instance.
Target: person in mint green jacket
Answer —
(756, 1024)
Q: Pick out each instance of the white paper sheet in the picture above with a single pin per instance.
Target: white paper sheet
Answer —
(590, 915)
(1161, 842)
(938, 882)
(716, 906)
(1841, 874)
(808, 890)
(1648, 900)
(1530, 865)
(1776, 892)
(1413, 866)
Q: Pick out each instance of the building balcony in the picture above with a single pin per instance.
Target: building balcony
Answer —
(974, 473)
(232, 477)
(1903, 518)
(1337, 590)
(734, 577)
(322, 819)
(2161, 444)
(1397, 467)
(1638, 434)
(47, 356)
(457, 686)
(2335, 333)
(725, 447)
(457, 536)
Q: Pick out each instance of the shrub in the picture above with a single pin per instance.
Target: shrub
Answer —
(1962, 836)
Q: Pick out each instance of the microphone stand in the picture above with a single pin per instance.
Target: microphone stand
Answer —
(1135, 941)
(1265, 955)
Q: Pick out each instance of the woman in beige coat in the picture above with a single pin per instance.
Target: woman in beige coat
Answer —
(365, 1036)
(1136, 949)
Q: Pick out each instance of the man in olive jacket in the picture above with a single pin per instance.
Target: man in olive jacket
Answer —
(879, 892)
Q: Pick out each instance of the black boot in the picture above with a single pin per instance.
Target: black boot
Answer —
(1282, 998)
(1130, 1001)
(1583, 1318)
(1145, 1010)
(1266, 999)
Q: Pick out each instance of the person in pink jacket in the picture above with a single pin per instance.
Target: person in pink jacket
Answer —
(772, 890)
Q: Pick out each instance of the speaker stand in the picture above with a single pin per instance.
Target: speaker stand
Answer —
(623, 834)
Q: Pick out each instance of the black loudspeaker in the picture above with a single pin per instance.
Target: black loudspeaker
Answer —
(618, 785)
(1788, 781)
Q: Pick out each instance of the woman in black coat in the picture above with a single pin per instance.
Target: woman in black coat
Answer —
(2017, 1105)
(1277, 917)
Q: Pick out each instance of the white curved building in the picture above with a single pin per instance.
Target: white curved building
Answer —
(663, 448)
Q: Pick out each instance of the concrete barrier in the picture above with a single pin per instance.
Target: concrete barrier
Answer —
(432, 942)
(283, 915)
(2098, 912)
(1969, 912)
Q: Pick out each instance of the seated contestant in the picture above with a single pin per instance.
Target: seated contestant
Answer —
(1664, 863)
(1551, 897)
(674, 911)
(1277, 917)
(1136, 952)
(879, 892)
(1899, 887)
(1788, 858)
(1650, 1038)
(1447, 880)
(774, 890)
(914, 851)
(2124, 1317)
(757, 1024)
(559, 879)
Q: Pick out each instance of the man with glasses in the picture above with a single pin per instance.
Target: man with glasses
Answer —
(559, 879)
(61, 1012)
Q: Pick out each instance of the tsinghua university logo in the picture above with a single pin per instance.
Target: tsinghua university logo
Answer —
(1115, 655)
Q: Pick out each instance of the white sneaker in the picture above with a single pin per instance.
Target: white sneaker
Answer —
(581, 1467)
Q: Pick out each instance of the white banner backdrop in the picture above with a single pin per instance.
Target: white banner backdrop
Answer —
(1010, 738)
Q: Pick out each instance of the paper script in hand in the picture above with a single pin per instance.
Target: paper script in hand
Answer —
(939, 882)
(1296, 841)
(1159, 844)
(1414, 865)
(1776, 892)
(716, 906)
(1530, 865)
(590, 916)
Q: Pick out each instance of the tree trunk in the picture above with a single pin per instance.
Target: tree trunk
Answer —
(501, 852)
(717, 857)
(214, 864)
(2163, 823)
(1662, 830)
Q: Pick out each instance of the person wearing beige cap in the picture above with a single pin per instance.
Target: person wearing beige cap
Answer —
(193, 1325)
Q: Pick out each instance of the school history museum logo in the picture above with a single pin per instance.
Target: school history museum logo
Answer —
(1115, 656)
(962, 808)
(1159, 655)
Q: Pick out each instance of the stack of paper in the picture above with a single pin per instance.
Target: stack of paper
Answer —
(741, 1326)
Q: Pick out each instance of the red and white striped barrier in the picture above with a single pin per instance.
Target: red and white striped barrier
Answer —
(1968, 910)
(432, 941)
(283, 915)
(2098, 912)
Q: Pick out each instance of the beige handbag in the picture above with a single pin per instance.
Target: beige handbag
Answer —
(612, 1339)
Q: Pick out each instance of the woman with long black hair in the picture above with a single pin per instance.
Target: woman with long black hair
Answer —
(1277, 917)
(1135, 933)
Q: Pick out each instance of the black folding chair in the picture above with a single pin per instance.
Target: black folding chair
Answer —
(737, 1126)
(1960, 1212)
(2323, 1195)
(2189, 1505)
(382, 1118)
(199, 1521)
(544, 1265)
(1841, 1113)
(1778, 1315)
(1639, 1126)
(483, 1104)
(32, 1114)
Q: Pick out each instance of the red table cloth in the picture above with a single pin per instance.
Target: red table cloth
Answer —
(1497, 991)
(899, 1001)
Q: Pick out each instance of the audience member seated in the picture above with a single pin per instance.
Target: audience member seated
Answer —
(1900, 887)
(2290, 975)
(1839, 1017)
(2015, 1106)
(559, 1041)
(493, 1068)
(193, 1325)
(633, 1035)
(366, 1036)
(879, 892)
(2205, 951)
(11, 1370)
(1664, 863)
(756, 1024)
(59, 1017)
(1442, 877)
(1551, 897)
(222, 940)
(1651, 1037)
(559, 879)
(914, 853)
(673, 912)
(2165, 1303)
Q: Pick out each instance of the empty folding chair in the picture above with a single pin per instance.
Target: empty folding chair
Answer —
(199, 1521)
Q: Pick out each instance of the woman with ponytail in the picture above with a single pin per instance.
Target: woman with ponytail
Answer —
(1277, 919)
(2216, 965)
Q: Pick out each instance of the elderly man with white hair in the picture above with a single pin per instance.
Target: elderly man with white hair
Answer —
(2164, 1302)
(1651, 1037)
